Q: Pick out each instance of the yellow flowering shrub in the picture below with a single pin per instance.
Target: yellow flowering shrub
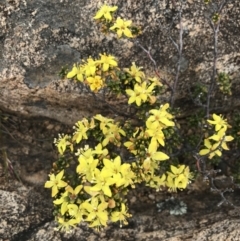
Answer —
(213, 145)
(91, 178)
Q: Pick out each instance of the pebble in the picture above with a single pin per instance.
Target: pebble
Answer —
(151, 196)
(57, 128)
(25, 150)
(50, 127)
(133, 199)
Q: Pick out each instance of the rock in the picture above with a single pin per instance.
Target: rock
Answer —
(133, 199)
(151, 196)
(50, 127)
(21, 212)
(12, 206)
(26, 214)
(225, 230)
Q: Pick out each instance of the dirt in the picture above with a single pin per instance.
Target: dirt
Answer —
(29, 147)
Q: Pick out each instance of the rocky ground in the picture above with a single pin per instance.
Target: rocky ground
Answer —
(26, 209)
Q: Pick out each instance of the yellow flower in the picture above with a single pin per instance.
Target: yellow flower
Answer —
(66, 225)
(219, 122)
(64, 201)
(161, 116)
(73, 192)
(221, 138)
(140, 93)
(127, 175)
(87, 164)
(157, 182)
(90, 67)
(170, 184)
(188, 174)
(97, 213)
(104, 122)
(55, 183)
(156, 155)
(81, 131)
(107, 61)
(105, 12)
(154, 130)
(135, 72)
(99, 151)
(121, 215)
(95, 83)
(210, 149)
(178, 177)
(156, 81)
(76, 211)
(62, 142)
(149, 165)
(131, 147)
(76, 71)
(112, 135)
(68, 197)
(88, 190)
(112, 132)
(122, 27)
(102, 181)
(114, 168)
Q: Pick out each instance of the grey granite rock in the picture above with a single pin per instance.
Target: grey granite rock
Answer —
(22, 211)
(26, 216)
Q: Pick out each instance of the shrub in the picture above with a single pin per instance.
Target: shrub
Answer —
(103, 158)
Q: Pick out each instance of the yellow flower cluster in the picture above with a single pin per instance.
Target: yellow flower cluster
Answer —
(121, 26)
(143, 89)
(93, 72)
(149, 158)
(178, 178)
(218, 141)
(105, 12)
(102, 179)
(94, 173)
(63, 142)
(111, 131)
(158, 120)
(96, 200)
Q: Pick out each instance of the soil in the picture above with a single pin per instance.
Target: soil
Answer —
(29, 147)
